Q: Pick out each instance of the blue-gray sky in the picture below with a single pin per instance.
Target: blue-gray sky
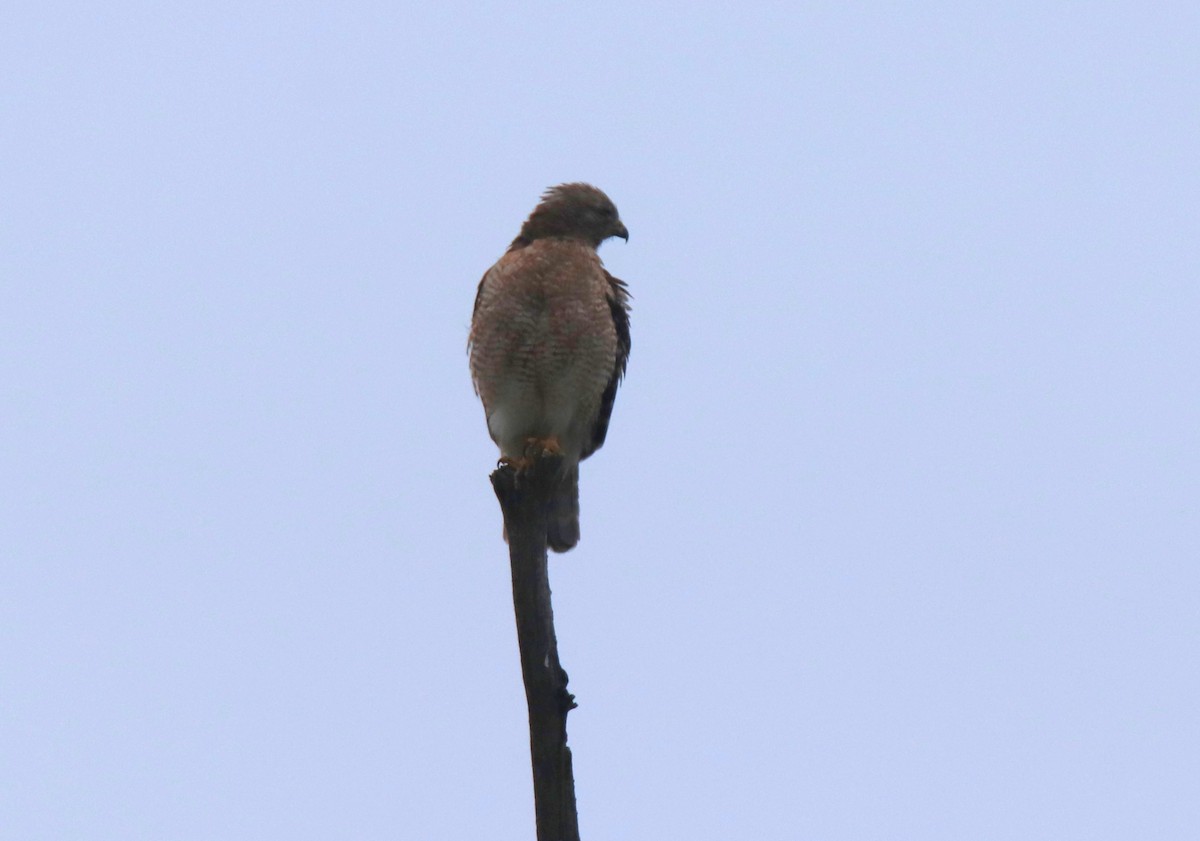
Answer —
(895, 534)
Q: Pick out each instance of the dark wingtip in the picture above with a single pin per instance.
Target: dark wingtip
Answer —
(562, 532)
(562, 523)
(560, 544)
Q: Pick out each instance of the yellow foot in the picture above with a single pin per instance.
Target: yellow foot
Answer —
(535, 448)
(538, 447)
(520, 465)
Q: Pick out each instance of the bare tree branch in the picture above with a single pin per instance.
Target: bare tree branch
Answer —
(524, 500)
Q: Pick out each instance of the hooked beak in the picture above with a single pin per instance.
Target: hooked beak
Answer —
(621, 231)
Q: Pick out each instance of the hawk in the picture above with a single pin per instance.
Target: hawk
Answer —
(550, 340)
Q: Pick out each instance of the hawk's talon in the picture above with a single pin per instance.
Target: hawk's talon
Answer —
(518, 465)
(535, 448)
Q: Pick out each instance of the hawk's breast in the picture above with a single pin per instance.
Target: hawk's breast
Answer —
(543, 344)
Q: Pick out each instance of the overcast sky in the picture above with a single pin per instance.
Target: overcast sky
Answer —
(895, 534)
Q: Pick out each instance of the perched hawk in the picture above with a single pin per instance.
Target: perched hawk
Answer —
(550, 339)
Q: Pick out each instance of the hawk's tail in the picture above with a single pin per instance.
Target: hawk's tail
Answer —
(562, 524)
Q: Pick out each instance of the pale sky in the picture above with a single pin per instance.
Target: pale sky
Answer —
(895, 534)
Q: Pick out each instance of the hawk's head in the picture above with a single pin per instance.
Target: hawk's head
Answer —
(573, 211)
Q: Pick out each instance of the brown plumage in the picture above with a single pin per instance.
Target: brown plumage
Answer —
(550, 341)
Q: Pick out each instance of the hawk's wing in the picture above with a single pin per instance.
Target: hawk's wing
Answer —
(618, 304)
(471, 334)
(479, 293)
(474, 314)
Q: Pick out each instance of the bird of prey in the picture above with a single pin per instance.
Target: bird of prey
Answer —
(550, 340)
